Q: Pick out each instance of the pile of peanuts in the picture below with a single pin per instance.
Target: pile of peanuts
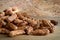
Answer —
(13, 22)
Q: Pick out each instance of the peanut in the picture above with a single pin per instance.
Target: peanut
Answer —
(40, 32)
(16, 32)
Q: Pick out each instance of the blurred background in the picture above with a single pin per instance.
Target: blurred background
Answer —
(44, 8)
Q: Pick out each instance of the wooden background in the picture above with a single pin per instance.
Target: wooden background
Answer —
(44, 8)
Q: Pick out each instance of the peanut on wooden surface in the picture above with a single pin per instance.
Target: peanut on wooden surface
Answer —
(13, 22)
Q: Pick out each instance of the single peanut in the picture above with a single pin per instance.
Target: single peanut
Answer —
(54, 22)
(16, 32)
(29, 30)
(2, 14)
(17, 21)
(12, 17)
(4, 31)
(12, 26)
(21, 28)
(19, 15)
(40, 32)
